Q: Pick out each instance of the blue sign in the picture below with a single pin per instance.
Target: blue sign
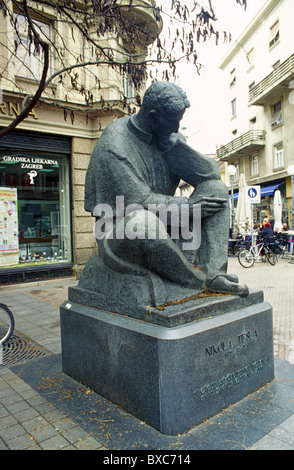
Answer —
(252, 193)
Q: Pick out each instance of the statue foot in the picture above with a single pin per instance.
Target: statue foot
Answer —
(231, 277)
(223, 285)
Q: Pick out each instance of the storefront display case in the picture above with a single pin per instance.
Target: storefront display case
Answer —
(41, 181)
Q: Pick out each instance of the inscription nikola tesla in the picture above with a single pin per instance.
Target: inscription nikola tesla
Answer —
(227, 346)
(230, 380)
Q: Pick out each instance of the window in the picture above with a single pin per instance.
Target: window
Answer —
(28, 61)
(253, 124)
(233, 78)
(254, 165)
(277, 115)
(250, 56)
(278, 156)
(276, 64)
(128, 88)
(234, 107)
(274, 34)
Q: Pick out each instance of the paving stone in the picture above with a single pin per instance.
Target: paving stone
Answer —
(12, 432)
(89, 443)
(17, 407)
(64, 424)
(44, 433)
(55, 443)
(11, 398)
(270, 442)
(7, 422)
(21, 442)
(3, 411)
(285, 431)
(27, 414)
(75, 434)
(3, 446)
(35, 423)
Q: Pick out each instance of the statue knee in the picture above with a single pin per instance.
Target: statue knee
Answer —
(137, 235)
(221, 189)
(215, 188)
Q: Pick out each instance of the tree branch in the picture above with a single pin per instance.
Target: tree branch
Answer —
(23, 114)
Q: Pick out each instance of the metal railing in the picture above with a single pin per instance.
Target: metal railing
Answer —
(245, 140)
(281, 72)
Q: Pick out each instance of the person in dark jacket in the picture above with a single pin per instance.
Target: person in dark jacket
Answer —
(267, 233)
(272, 221)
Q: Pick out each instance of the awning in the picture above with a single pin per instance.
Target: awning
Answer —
(264, 191)
(267, 190)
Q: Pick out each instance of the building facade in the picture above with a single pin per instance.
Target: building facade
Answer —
(44, 230)
(259, 114)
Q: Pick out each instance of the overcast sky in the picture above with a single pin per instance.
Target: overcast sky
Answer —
(203, 120)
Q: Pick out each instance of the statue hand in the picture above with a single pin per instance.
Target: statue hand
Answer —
(209, 204)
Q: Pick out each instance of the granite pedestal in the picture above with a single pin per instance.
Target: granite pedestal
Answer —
(171, 377)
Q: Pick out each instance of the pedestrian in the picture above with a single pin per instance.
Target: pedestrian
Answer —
(267, 233)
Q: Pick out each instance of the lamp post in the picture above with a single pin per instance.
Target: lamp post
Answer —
(290, 171)
(231, 170)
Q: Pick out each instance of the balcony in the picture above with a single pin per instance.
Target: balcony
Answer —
(273, 84)
(249, 142)
(146, 17)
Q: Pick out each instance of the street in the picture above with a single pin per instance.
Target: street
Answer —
(277, 283)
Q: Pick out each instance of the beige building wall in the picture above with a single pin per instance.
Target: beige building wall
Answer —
(48, 116)
(250, 60)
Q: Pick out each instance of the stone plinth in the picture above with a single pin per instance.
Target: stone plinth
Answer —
(172, 377)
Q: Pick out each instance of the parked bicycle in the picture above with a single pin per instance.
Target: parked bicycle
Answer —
(6, 324)
(280, 248)
(257, 252)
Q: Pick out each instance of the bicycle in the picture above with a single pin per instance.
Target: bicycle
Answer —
(247, 257)
(6, 324)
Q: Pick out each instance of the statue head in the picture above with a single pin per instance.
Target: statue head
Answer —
(163, 107)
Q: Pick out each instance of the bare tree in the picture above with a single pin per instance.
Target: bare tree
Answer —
(109, 33)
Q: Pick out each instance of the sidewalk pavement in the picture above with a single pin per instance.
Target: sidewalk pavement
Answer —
(43, 409)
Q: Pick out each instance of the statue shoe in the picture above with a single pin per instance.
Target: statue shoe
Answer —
(231, 277)
(223, 285)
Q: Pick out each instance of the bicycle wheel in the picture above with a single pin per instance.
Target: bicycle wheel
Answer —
(270, 256)
(6, 323)
(246, 258)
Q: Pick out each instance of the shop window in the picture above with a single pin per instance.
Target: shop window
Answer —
(36, 190)
(28, 61)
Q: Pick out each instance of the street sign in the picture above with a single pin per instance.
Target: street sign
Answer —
(253, 194)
